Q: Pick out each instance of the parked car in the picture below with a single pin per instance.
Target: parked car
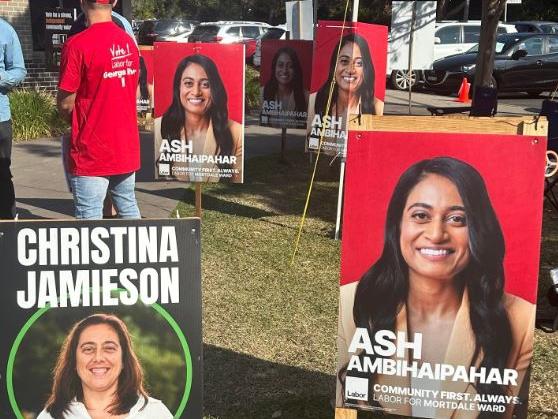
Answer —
(275, 32)
(536, 26)
(136, 25)
(450, 38)
(524, 62)
(163, 29)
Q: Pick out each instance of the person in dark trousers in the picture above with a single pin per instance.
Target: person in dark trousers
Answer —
(12, 72)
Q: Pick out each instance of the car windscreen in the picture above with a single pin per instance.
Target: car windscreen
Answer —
(210, 30)
(273, 33)
(503, 44)
(165, 26)
(551, 28)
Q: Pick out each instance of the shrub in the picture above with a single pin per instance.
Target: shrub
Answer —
(252, 93)
(34, 115)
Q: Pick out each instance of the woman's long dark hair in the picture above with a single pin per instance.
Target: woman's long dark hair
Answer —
(366, 90)
(382, 291)
(67, 384)
(296, 84)
(173, 119)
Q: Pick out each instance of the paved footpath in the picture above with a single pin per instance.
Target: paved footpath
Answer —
(42, 193)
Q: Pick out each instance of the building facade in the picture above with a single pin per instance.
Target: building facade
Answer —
(28, 19)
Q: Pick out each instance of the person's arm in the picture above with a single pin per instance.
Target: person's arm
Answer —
(15, 71)
(70, 80)
(65, 102)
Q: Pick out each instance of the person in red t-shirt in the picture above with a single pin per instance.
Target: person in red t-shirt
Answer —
(99, 74)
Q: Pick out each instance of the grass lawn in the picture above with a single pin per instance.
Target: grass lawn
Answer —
(269, 327)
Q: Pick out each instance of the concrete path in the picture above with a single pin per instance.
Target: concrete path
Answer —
(42, 193)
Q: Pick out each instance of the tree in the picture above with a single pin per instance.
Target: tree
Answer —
(491, 12)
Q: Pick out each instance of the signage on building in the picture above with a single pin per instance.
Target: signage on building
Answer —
(58, 23)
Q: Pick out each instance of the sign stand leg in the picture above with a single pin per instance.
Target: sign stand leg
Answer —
(341, 413)
(340, 200)
(198, 200)
(284, 146)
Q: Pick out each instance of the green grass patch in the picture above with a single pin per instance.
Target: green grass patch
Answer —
(269, 326)
(34, 115)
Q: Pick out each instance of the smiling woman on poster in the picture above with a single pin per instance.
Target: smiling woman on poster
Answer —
(98, 375)
(286, 84)
(195, 134)
(354, 75)
(441, 276)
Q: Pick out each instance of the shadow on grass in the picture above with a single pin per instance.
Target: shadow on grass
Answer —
(281, 189)
(213, 203)
(241, 386)
(277, 188)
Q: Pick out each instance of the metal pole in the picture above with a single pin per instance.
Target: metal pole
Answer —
(355, 10)
(198, 200)
(299, 4)
(506, 12)
(411, 45)
(283, 144)
(344, 158)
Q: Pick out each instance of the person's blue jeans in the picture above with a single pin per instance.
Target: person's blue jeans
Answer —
(90, 191)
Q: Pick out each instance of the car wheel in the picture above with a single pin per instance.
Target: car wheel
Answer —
(534, 93)
(400, 79)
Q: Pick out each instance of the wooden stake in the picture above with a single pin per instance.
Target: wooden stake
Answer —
(283, 145)
(198, 200)
(512, 125)
(345, 413)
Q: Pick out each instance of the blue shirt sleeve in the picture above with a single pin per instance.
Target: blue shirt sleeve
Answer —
(14, 67)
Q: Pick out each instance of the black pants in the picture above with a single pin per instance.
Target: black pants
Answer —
(7, 194)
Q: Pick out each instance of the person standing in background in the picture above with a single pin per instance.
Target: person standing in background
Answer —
(78, 26)
(99, 74)
(12, 72)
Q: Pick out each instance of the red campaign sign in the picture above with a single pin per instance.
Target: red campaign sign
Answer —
(303, 50)
(328, 35)
(229, 60)
(147, 55)
(439, 269)
(349, 67)
(285, 79)
(511, 166)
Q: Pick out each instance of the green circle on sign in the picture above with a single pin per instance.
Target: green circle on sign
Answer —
(164, 313)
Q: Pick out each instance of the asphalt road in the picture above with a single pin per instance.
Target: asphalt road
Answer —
(509, 104)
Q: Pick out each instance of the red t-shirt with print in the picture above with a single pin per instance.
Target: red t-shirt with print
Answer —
(101, 65)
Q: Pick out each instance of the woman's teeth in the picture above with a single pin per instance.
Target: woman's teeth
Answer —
(435, 252)
(99, 371)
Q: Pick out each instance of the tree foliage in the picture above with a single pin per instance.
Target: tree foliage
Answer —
(374, 11)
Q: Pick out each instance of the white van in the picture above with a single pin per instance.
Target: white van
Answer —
(450, 38)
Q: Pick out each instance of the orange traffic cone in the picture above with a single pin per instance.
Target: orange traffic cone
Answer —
(463, 94)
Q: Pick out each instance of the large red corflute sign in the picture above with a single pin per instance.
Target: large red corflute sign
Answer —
(348, 78)
(199, 112)
(285, 81)
(439, 273)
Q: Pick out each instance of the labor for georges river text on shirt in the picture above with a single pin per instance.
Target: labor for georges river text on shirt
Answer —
(101, 64)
